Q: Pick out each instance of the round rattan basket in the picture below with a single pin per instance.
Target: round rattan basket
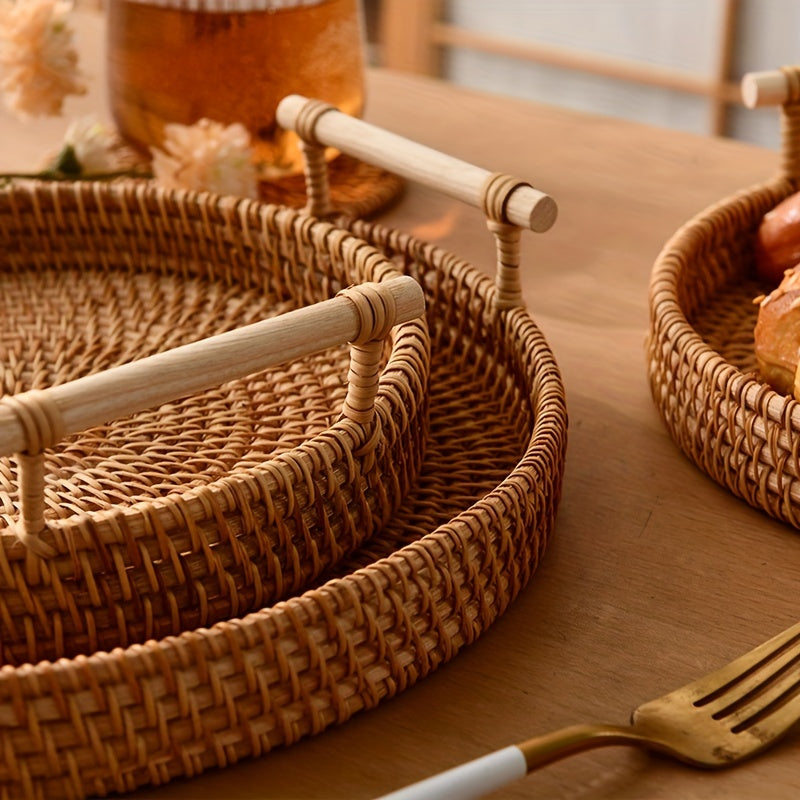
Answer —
(466, 539)
(203, 505)
(702, 365)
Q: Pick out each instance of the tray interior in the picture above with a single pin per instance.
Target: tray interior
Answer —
(727, 321)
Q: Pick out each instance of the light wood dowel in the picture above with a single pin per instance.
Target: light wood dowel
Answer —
(526, 207)
(182, 371)
(769, 88)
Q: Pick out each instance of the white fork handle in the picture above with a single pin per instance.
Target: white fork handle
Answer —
(468, 781)
(482, 775)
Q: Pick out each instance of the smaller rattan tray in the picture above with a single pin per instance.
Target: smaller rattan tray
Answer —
(165, 478)
(702, 365)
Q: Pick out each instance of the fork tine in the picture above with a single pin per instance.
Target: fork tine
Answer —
(739, 676)
(768, 715)
(768, 680)
(778, 689)
(772, 723)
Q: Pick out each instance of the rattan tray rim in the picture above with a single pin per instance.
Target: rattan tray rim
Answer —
(666, 312)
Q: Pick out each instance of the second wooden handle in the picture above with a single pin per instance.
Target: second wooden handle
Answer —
(182, 371)
(526, 207)
(768, 88)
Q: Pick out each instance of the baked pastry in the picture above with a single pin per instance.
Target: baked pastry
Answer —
(777, 335)
(778, 240)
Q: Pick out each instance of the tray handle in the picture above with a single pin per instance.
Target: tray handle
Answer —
(509, 203)
(779, 87)
(33, 421)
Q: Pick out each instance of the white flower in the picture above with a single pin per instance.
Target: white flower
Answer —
(96, 146)
(38, 64)
(207, 156)
(92, 150)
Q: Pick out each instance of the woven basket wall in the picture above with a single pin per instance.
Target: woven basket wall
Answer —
(464, 542)
(217, 504)
(702, 365)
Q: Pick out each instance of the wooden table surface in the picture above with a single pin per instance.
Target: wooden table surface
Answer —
(654, 575)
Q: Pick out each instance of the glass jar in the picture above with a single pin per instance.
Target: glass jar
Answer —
(231, 61)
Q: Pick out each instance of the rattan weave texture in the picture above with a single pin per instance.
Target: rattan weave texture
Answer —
(701, 360)
(215, 504)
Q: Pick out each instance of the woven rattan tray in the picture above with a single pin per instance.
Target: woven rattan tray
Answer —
(464, 542)
(180, 491)
(702, 365)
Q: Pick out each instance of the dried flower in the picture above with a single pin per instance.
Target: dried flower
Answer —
(96, 147)
(207, 156)
(90, 151)
(92, 143)
(38, 64)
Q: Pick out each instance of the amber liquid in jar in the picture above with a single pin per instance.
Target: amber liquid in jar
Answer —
(231, 61)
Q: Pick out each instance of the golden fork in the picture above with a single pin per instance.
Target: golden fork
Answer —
(716, 721)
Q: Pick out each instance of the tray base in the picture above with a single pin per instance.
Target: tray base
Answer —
(727, 322)
(358, 190)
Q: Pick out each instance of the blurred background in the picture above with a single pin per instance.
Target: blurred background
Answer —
(671, 63)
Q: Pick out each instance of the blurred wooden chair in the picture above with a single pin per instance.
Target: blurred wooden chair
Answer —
(413, 33)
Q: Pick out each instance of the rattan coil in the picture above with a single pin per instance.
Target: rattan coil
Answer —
(701, 359)
(215, 504)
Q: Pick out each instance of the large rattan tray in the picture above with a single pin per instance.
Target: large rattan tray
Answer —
(464, 542)
(702, 365)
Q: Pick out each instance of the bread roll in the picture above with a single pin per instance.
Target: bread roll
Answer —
(778, 240)
(777, 335)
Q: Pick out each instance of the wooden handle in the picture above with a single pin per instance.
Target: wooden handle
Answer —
(524, 206)
(780, 87)
(182, 371)
(769, 88)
